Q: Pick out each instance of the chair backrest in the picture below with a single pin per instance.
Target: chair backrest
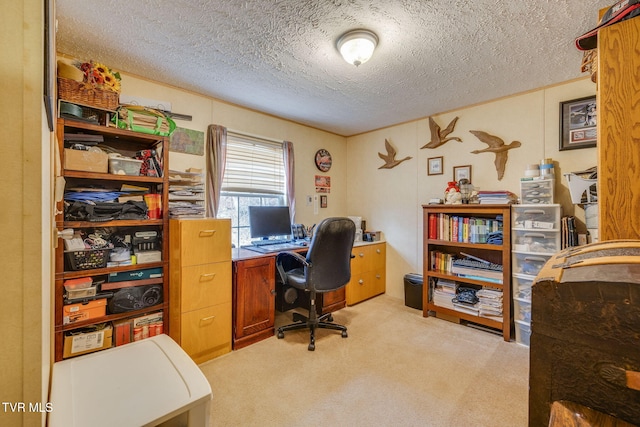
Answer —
(330, 254)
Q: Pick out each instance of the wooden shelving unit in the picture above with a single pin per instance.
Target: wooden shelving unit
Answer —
(126, 142)
(499, 254)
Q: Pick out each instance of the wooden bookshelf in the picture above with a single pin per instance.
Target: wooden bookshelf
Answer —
(448, 238)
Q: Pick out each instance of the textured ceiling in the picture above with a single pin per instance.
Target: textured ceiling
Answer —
(279, 56)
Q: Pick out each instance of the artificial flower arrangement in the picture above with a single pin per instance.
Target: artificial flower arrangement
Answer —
(99, 75)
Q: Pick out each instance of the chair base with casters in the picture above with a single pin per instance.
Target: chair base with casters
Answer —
(325, 268)
(312, 323)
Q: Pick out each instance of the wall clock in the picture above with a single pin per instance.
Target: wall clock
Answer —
(323, 160)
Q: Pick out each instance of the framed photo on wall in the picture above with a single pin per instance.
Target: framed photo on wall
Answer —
(462, 172)
(323, 201)
(434, 166)
(578, 119)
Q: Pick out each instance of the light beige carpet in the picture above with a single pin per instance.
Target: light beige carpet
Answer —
(396, 368)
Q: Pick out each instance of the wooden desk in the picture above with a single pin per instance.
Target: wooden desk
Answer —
(254, 296)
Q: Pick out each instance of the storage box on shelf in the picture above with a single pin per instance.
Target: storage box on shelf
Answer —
(536, 236)
(454, 232)
(85, 309)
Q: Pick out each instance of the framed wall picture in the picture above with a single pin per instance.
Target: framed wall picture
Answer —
(323, 201)
(578, 123)
(434, 166)
(462, 172)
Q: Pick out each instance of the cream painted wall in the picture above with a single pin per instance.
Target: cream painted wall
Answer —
(26, 219)
(391, 200)
(306, 141)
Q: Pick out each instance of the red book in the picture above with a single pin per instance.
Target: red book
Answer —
(433, 226)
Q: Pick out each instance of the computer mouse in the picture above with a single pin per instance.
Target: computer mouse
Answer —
(303, 243)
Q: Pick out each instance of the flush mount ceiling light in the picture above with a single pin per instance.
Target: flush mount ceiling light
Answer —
(357, 46)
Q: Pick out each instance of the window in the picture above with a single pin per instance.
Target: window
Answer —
(254, 175)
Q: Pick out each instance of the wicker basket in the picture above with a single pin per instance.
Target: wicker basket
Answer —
(76, 92)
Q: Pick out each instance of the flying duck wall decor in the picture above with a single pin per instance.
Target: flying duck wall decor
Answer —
(390, 157)
(439, 137)
(496, 146)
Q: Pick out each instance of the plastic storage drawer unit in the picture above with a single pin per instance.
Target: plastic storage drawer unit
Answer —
(537, 191)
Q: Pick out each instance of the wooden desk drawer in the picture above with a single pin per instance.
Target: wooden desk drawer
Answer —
(201, 241)
(206, 333)
(205, 285)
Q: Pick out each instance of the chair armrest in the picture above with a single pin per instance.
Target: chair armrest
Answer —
(289, 254)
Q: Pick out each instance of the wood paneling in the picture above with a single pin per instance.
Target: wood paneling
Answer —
(618, 100)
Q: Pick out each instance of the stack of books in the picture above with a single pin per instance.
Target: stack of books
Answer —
(490, 304)
(500, 197)
(443, 293)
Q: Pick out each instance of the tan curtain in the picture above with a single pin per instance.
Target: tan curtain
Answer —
(289, 175)
(216, 158)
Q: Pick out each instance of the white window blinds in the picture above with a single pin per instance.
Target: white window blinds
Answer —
(253, 165)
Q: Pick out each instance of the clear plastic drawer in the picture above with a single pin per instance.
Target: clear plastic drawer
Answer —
(529, 264)
(537, 217)
(522, 310)
(538, 241)
(522, 287)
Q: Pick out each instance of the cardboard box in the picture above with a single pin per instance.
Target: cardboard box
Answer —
(79, 343)
(73, 313)
(87, 161)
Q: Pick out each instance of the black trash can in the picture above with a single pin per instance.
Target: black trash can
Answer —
(413, 290)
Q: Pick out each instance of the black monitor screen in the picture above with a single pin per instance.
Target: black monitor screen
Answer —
(268, 221)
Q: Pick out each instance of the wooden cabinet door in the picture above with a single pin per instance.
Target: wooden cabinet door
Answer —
(254, 296)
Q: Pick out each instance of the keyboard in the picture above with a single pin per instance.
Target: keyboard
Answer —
(270, 242)
(275, 247)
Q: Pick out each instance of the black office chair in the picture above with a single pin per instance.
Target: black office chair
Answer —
(327, 267)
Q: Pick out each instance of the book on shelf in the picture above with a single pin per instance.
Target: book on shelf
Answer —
(480, 278)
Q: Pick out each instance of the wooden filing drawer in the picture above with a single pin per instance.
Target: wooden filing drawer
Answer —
(368, 273)
(201, 241)
(205, 285)
(206, 333)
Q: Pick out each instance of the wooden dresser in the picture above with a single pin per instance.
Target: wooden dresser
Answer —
(200, 286)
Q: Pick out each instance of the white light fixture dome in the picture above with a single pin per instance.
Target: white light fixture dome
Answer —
(357, 46)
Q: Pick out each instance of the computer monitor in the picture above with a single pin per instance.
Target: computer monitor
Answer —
(269, 221)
